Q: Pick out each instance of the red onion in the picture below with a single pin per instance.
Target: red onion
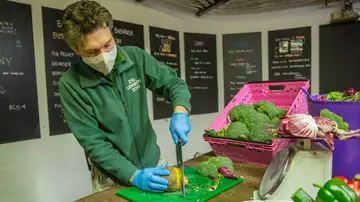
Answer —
(349, 92)
(227, 173)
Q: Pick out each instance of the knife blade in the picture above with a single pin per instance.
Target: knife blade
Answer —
(180, 165)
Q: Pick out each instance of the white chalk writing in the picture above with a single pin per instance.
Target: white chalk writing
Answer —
(57, 73)
(17, 107)
(60, 64)
(57, 35)
(7, 28)
(5, 61)
(199, 43)
(122, 31)
(2, 90)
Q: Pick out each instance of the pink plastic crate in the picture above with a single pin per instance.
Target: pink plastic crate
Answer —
(285, 94)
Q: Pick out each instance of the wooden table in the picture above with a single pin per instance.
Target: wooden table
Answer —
(252, 176)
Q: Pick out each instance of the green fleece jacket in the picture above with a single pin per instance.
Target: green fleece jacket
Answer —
(109, 116)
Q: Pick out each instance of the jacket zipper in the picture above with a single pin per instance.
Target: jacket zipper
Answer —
(127, 114)
(113, 84)
(122, 100)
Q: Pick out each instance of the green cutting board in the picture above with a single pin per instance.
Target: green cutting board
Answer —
(197, 190)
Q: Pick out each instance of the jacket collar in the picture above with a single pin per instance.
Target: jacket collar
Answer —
(91, 78)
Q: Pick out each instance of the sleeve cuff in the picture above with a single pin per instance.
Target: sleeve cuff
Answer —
(184, 103)
(126, 174)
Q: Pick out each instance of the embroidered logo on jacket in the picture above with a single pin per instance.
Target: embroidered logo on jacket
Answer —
(134, 84)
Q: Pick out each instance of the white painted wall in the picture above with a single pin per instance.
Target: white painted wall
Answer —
(53, 169)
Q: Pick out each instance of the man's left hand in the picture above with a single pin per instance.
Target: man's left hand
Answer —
(180, 126)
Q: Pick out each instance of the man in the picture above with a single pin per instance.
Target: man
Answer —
(105, 101)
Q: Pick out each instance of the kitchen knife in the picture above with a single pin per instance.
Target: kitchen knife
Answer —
(180, 164)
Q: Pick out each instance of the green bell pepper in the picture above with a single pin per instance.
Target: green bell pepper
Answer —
(336, 190)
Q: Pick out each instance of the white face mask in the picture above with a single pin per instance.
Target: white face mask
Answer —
(103, 62)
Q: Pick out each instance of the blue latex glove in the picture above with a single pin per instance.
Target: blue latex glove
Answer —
(180, 127)
(149, 179)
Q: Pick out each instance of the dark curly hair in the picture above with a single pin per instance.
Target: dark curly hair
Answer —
(83, 17)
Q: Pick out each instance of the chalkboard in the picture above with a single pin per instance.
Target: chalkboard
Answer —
(19, 114)
(164, 46)
(201, 72)
(242, 61)
(339, 57)
(128, 34)
(290, 54)
(58, 58)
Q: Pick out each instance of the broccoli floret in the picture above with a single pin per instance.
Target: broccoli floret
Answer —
(211, 132)
(220, 161)
(275, 122)
(252, 120)
(237, 130)
(225, 162)
(282, 112)
(207, 169)
(270, 109)
(240, 112)
(210, 167)
(334, 117)
(233, 114)
(260, 134)
(214, 133)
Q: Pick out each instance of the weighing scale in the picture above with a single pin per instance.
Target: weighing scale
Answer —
(299, 165)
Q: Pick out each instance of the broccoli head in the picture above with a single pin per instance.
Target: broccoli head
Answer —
(270, 109)
(334, 117)
(207, 169)
(237, 130)
(210, 167)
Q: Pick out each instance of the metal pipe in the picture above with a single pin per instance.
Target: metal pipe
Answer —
(270, 4)
(184, 3)
(268, 8)
(245, 6)
(211, 7)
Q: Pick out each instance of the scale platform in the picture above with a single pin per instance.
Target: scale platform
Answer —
(295, 167)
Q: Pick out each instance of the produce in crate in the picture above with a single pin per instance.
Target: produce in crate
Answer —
(334, 96)
(306, 126)
(270, 109)
(237, 130)
(216, 168)
(337, 189)
(349, 94)
(249, 122)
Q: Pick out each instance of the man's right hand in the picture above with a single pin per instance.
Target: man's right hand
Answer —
(149, 179)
